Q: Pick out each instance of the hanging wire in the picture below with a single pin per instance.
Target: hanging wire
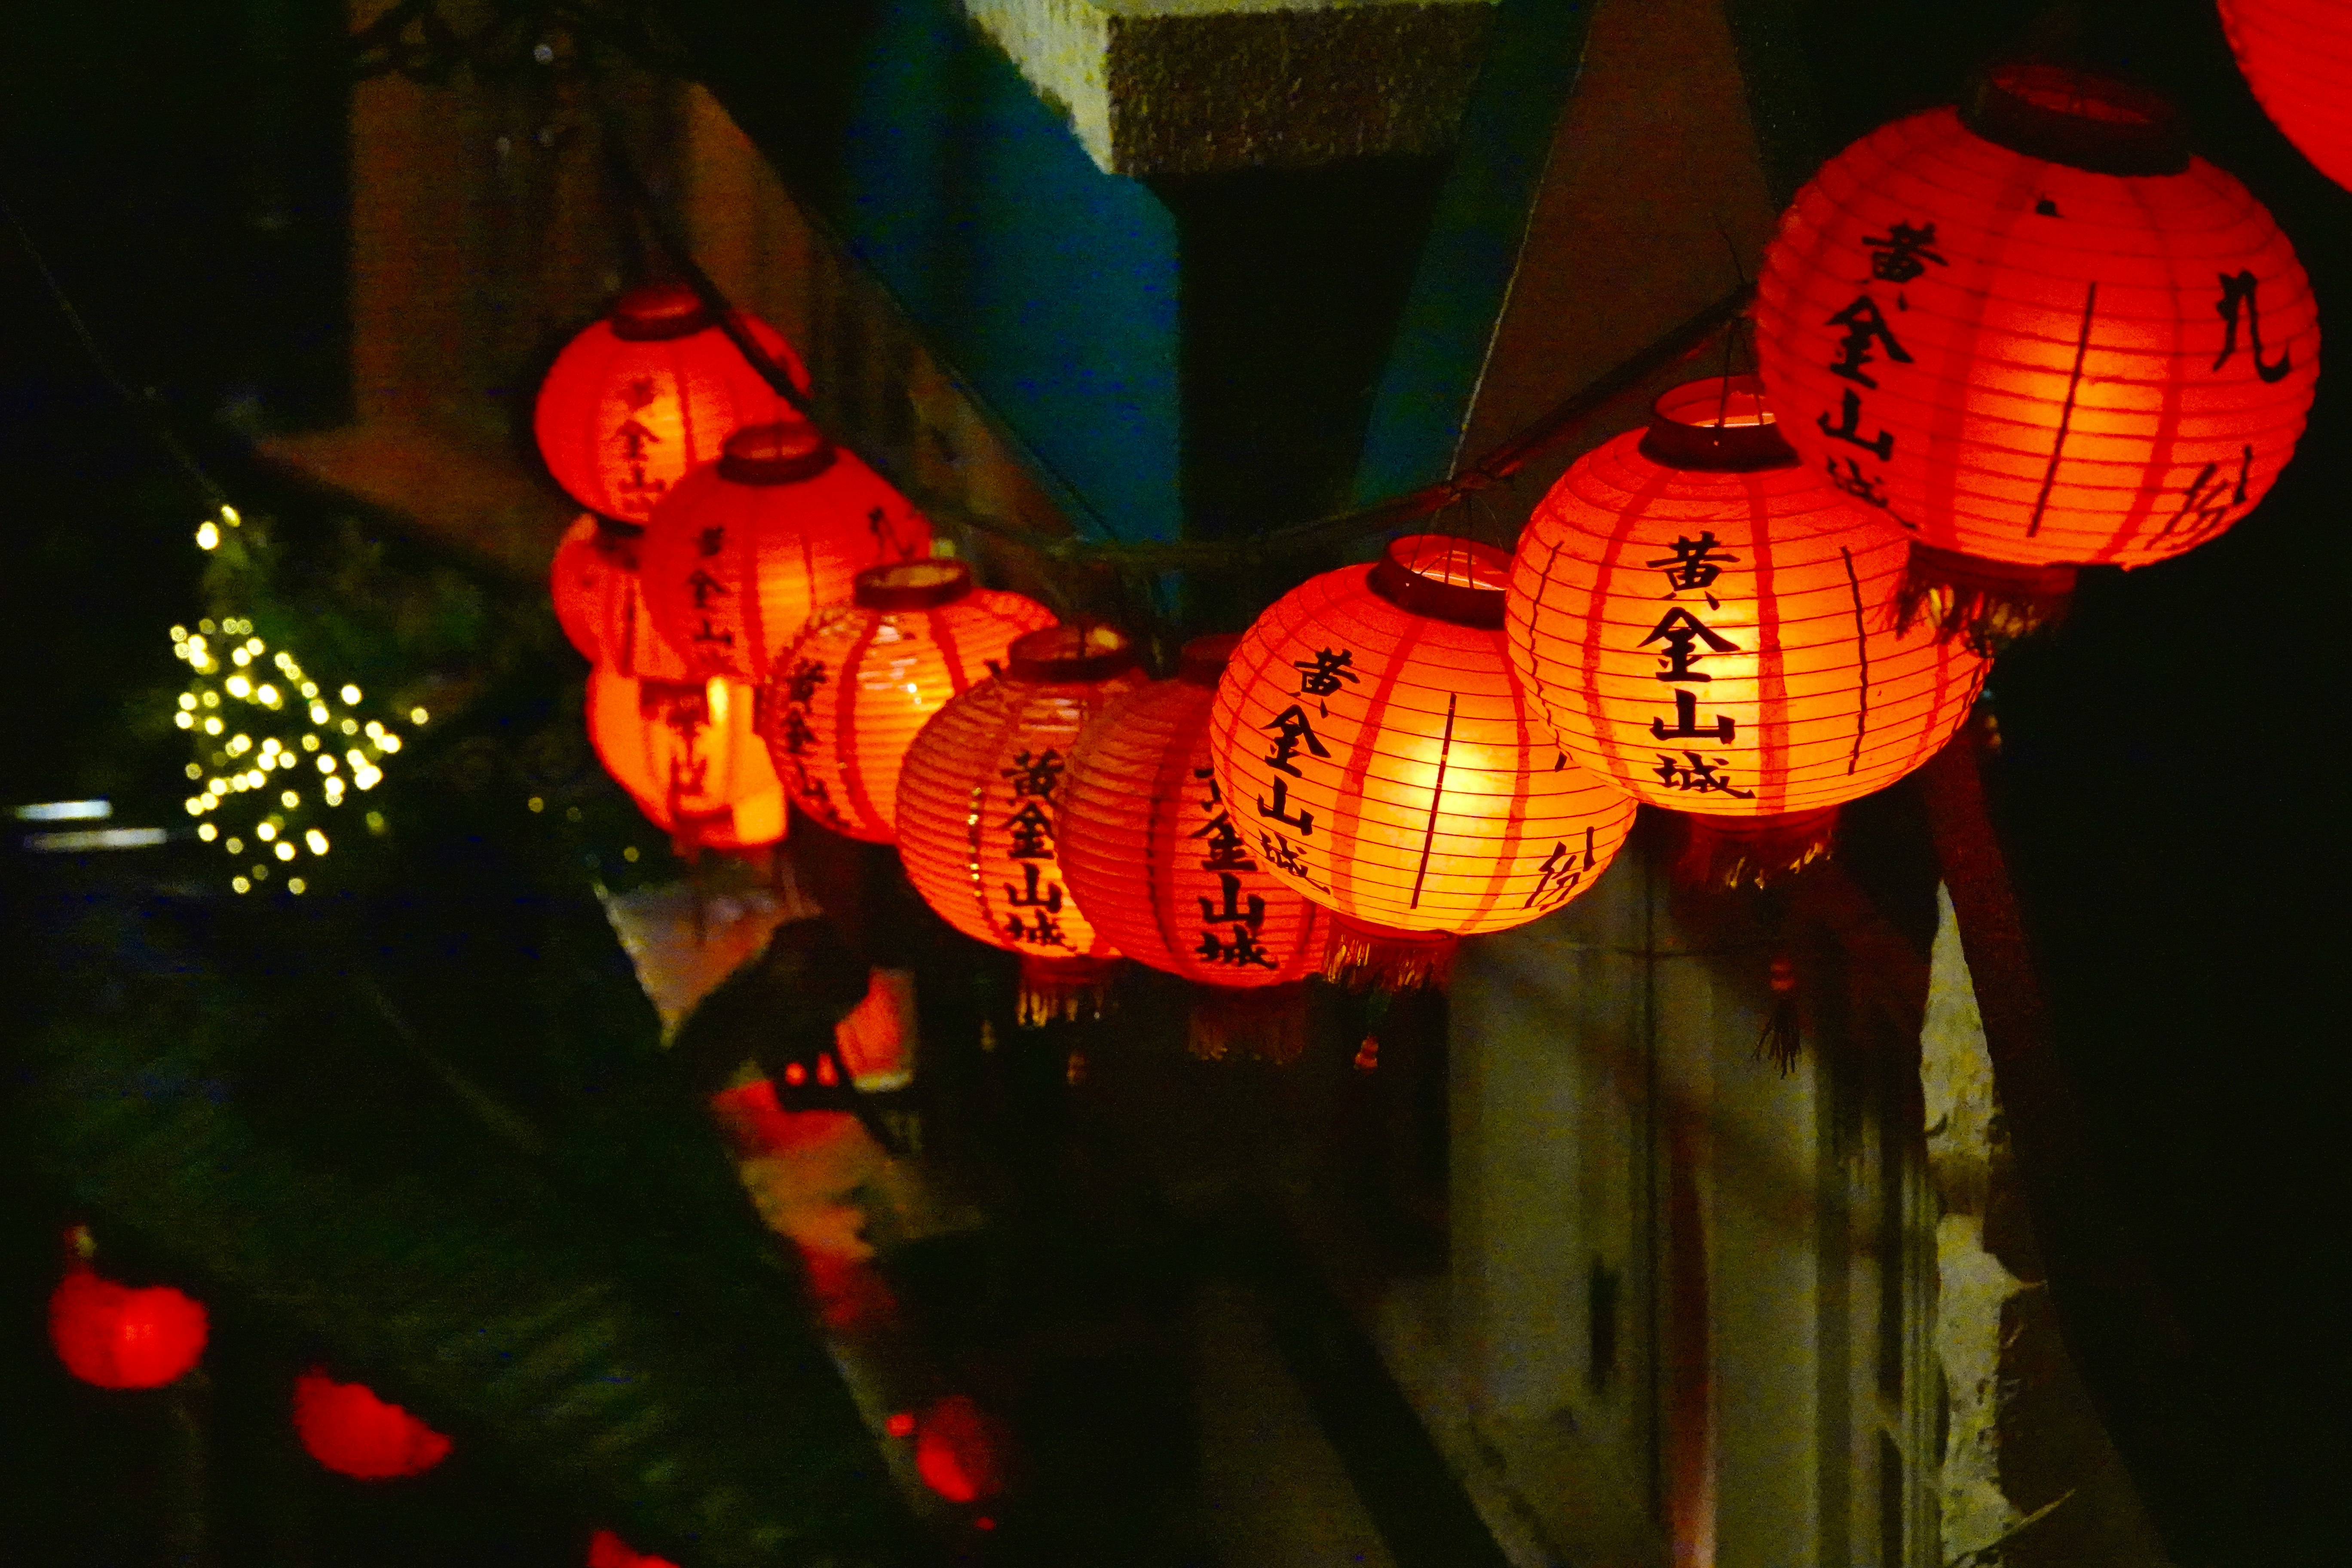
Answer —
(140, 405)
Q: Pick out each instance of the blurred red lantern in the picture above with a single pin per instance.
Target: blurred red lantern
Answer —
(1381, 761)
(645, 394)
(593, 586)
(842, 706)
(347, 1429)
(1153, 855)
(2295, 55)
(606, 1549)
(742, 552)
(688, 754)
(2037, 333)
(977, 801)
(1707, 625)
(959, 1450)
(122, 1336)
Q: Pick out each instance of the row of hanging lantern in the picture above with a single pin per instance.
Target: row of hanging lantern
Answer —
(1995, 343)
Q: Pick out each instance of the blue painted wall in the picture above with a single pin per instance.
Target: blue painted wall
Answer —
(1049, 283)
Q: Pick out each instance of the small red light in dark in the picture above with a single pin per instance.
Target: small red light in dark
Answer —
(901, 1424)
(795, 1074)
(983, 1522)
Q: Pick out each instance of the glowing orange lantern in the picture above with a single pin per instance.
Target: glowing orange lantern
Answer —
(2296, 54)
(742, 552)
(347, 1429)
(977, 801)
(645, 394)
(2036, 332)
(606, 1549)
(1153, 854)
(1382, 761)
(122, 1336)
(578, 583)
(1707, 625)
(842, 706)
(685, 751)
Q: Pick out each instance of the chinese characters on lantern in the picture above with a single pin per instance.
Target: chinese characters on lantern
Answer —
(1242, 917)
(1291, 740)
(794, 740)
(1683, 639)
(1033, 777)
(635, 442)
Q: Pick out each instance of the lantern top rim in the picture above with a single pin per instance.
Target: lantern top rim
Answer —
(656, 312)
(786, 452)
(2079, 118)
(1460, 581)
(1717, 424)
(911, 586)
(1203, 660)
(1073, 653)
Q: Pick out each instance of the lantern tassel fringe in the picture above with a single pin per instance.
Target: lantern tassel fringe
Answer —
(1730, 852)
(1782, 1039)
(1381, 959)
(1269, 1022)
(1989, 605)
(1077, 989)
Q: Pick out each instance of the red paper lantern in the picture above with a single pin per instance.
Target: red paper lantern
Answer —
(645, 394)
(2036, 333)
(959, 1450)
(687, 753)
(578, 581)
(122, 1336)
(1382, 761)
(1708, 626)
(593, 584)
(606, 1549)
(2296, 54)
(977, 800)
(347, 1429)
(1153, 855)
(742, 552)
(842, 706)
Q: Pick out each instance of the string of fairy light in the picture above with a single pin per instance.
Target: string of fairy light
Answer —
(275, 748)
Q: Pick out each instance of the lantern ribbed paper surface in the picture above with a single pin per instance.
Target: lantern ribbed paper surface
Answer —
(841, 708)
(122, 1336)
(1158, 863)
(742, 550)
(578, 582)
(2037, 333)
(687, 753)
(1707, 625)
(2296, 55)
(347, 1429)
(1381, 760)
(641, 397)
(978, 801)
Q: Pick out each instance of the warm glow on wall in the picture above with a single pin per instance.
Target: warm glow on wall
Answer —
(2036, 332)
(1381, 761)
(1158, 863)
(842, 707)
(647, 393)
(687, 754)
(742, 552)
(1707, 625)
(2295, 55)
(978, 799)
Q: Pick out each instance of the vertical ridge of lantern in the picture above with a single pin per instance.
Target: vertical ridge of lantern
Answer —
(1134, 807)
(979, 800)
(845, 702)
(641, 397)
(1369, 733)
(2037, 334)
(1728, 618)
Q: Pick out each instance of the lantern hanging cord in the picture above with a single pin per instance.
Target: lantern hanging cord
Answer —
(142, 405)
(1495, 467)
